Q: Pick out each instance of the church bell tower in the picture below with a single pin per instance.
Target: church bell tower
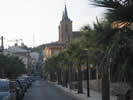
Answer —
(65, 28)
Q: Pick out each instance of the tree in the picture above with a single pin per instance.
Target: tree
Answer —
(64, 65)
(78, 58)
(90, 51)
(70, 60)
(11, 67)
(99, 39)
(50, 66)
(118, 54)
(117, 10)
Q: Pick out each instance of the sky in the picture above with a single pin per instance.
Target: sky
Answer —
(38, 20)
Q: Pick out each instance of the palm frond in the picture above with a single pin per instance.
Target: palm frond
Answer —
(117, 10)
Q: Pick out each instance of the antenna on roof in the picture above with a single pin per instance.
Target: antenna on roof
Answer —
(33, 40)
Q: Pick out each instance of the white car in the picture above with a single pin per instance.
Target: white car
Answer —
(7, 90)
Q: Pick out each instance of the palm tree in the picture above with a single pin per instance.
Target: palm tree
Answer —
(69, 52)
(79, 58)
(119, 14)
(90, 50)
(117, 10)
(96, 45)
(63, 64)
(51, 66)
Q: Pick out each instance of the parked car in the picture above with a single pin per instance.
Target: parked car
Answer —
(19, 90)
(27, 80)
(32, 78)
(21, 86)
(23, 83)
(7, 90)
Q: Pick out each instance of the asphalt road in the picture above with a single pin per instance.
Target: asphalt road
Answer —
(42, 90)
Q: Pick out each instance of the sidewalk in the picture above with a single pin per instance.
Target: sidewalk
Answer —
(93, 94)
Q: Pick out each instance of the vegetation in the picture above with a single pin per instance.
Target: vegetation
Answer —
(118, 54)
(107, 46)
(11, 67)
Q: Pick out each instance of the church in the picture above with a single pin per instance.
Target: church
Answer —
(65, 36)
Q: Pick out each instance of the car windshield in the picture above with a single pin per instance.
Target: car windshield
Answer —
(4, 86)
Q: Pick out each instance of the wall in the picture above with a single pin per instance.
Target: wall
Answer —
(115, 88)
(94, 85)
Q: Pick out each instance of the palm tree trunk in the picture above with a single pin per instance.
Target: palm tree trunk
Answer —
(70, 76)
(105, 87)
(51, 76)
(65, 78)
(80, 88)
(59, 77)
(62, 77)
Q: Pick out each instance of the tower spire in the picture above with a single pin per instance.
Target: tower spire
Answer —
(65, 12)
(65, 15)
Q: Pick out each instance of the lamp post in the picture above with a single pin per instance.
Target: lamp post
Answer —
(87, 72)
(88, 78)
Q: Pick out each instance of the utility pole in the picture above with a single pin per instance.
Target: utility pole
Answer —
(2, 43)
(33, 40)
(2, 72)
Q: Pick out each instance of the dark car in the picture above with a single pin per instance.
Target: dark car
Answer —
(32, 78)
(27, 80)
(19, 90)
(23, 84)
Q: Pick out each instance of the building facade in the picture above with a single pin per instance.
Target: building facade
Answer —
(65, 36)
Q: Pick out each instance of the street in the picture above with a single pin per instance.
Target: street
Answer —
(42, 90)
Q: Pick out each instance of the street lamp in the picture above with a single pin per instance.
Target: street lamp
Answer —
(88, 78)
(87, 72)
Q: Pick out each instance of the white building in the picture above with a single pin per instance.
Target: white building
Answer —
(34, 59)
(21, 53)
